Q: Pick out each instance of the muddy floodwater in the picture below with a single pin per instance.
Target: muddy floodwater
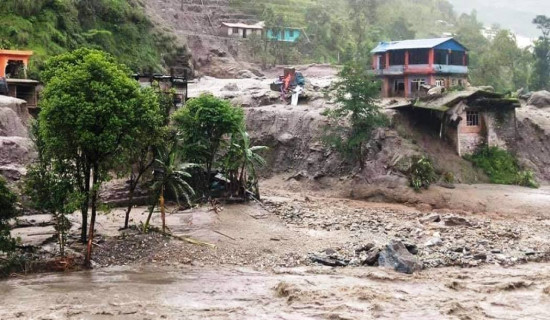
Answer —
(521, 292)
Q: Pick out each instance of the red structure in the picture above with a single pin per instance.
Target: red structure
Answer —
(13, 69)
(406, 67)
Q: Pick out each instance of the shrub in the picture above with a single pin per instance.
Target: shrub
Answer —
(422, 173)
(502, 167)
(526, 178)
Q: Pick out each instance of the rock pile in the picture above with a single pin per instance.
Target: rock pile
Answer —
(437, 239)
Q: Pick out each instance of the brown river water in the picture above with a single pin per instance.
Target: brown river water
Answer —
(521, 292)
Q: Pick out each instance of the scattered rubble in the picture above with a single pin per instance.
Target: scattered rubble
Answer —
(436, 240)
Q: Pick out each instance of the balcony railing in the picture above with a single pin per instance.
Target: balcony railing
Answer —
(420, 69)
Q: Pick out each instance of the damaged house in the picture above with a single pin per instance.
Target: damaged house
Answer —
(467, 119)
(407, 67)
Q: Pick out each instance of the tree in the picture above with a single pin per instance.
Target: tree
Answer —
(204, 123)
(170, 175)
(141, 152)
(51, 187)
(541, 71)
(240, 164)
(92, 112)
(356, 115)
(8, 210)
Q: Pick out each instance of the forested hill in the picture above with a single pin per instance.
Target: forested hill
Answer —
(50, 27)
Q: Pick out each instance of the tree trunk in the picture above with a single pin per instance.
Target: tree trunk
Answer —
(146, 225)
(133, 185)
(85, 204)
(162, 210)
(94, 213)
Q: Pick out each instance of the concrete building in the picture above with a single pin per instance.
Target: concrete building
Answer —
(13, 77)
(241, 30)
(467, 119)
(286, 34)
(407, 67)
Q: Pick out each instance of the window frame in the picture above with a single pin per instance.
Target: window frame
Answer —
(472, 119)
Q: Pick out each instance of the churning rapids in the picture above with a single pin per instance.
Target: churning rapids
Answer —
(521, 292)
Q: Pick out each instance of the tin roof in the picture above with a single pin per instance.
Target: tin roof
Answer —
(259, 25)
(16, 53)
(410, 44)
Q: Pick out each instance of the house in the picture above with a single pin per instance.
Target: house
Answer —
(467, 119)
(241, 30)
(179, 86)
(13, 72)
(285, 34)
(406, 67)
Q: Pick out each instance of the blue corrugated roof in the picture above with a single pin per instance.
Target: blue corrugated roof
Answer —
(410, 44)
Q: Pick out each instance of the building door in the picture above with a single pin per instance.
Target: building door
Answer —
(244, 33)
(399, 88)
(379, 63)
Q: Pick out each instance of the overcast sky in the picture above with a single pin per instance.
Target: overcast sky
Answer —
(516, 15)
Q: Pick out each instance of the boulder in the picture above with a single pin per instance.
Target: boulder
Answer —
(540, 99)
(14, 116)
(372, 257)
(396, 256)
(231, 87)
(245, 74)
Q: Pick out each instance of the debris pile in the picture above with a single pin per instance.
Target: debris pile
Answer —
(436, 239)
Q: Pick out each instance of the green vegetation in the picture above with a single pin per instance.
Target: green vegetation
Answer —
(541, 69)
(422, 173)
(92, 112)
(51, 27)
(502, 167)
(51, 188)
(356, 114)
(204, 124)
(8, 210)
(339, 31)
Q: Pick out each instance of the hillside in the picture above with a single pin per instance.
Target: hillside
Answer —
(52, 27)
(508, 14)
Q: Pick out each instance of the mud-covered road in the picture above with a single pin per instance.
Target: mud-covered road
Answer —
(521, 292)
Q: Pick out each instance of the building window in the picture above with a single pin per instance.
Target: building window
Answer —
(454, 82)
(456, 58)
(291, 33)
(235, 30)
(440, 57)
(419, 56)
(472, 118)
(397, 58)
(440, 82)
(416, 84)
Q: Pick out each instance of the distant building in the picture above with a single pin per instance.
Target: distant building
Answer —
(407, 67)
(286, 34)
(241, 30)
(167, 84)
(13, 72)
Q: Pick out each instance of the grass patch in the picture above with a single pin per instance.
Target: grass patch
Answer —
(502, 167)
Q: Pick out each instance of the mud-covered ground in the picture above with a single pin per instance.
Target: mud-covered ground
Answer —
(487, 265)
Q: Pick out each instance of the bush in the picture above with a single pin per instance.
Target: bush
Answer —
(502, 167)
(422, 173)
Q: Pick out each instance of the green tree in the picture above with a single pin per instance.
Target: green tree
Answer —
(356, 114)
(205, 123)
(241, 163)
(141, 153)
(171, 176)
(92, 112)
(541, 70)
(51, 187)
(8, 211)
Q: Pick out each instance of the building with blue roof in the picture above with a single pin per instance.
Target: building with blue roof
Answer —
(407, 66)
